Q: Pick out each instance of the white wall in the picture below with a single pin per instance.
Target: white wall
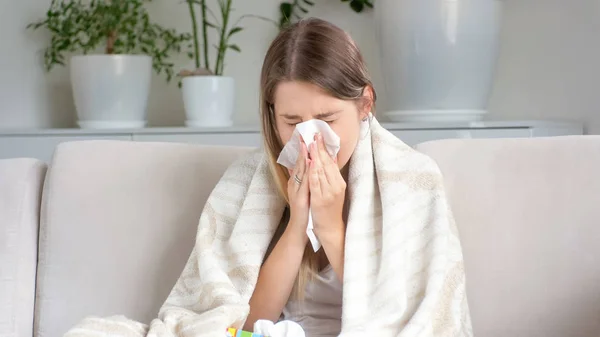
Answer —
(548, 68)
(549, 65)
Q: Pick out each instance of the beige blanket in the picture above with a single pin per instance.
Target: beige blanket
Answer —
(403, 274)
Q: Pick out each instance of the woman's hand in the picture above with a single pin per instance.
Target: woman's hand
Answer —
(298, 194)
(280, 270)
(327, 192)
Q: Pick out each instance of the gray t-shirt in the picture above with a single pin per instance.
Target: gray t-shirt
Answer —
(320, 313)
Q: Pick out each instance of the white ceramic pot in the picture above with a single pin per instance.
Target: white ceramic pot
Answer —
(438, 57)
(208, 101)
(111, 91)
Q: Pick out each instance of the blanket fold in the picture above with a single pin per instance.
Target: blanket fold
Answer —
(403, 273)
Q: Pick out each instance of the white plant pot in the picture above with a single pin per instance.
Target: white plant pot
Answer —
(208, 101)
(438, 57)
(111, 91)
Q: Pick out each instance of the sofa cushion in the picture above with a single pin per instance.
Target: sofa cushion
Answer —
(118, 223)
(21, 182)
(528, 211)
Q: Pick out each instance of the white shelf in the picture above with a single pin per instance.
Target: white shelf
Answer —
(256, 129)
(40, 143)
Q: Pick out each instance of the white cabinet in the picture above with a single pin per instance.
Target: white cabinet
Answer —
(41, 143)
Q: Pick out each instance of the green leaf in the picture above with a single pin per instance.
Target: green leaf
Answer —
(302, 9)
(286, 9)
(357, 5)
(234, 47)
(310, 3)
(235, 30)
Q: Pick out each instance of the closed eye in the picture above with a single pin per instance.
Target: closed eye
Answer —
(328, 117)
(292, 121)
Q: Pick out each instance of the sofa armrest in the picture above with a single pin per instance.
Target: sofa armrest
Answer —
(21, 182)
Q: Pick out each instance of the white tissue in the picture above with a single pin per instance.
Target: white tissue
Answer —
(290, 152)
(281, 329)
(307, 130)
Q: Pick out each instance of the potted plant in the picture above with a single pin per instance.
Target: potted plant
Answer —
(118, 46)
(293, 10)
(209, 95)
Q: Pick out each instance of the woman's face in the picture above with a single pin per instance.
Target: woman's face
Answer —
(297, 102)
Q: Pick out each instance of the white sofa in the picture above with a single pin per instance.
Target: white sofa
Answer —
(118, 219)
(20, 194)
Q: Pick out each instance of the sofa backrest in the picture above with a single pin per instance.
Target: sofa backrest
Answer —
(21, 182)
(119, 221)
(528, 212)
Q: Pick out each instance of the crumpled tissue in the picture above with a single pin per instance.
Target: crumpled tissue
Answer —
(290, 152)
(279, 329)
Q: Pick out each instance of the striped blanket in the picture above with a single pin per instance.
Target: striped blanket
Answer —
(403, 273)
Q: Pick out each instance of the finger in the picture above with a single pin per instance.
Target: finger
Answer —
(303, 169)
(328, 164)
(300, 167)
(318, 164)
(299, 160)
(304, 154)
(323, 154)
(324, 184)
(304, 186)
(315, 184)
(332, 173)
(314, 154)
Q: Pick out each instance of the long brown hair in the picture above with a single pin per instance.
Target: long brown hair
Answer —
(317, 52)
